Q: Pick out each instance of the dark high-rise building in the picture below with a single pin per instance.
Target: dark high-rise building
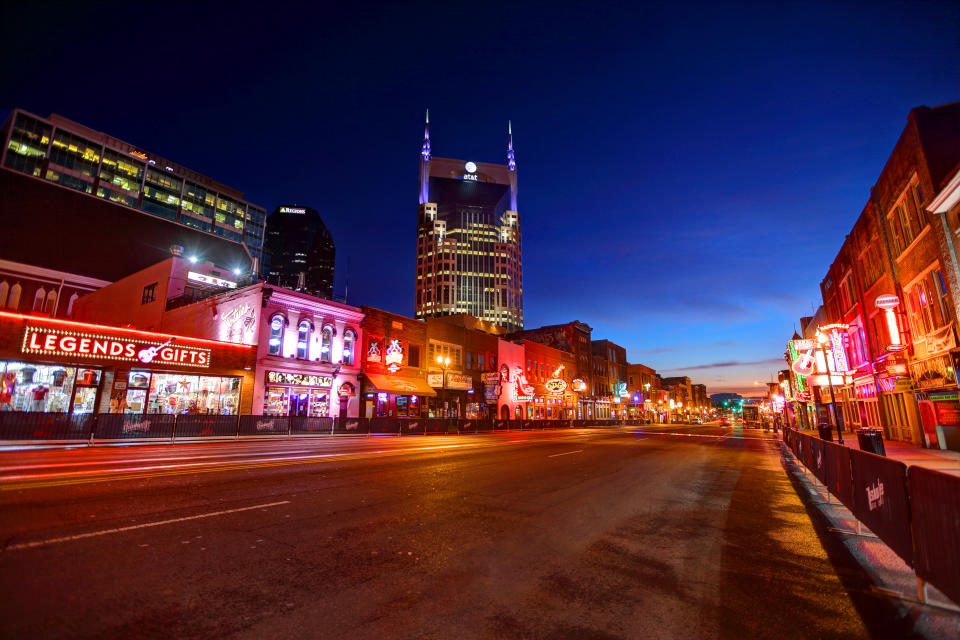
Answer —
(468, 239)
(298, 251)
(81, 201)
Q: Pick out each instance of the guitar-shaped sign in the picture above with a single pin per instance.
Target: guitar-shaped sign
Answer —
(147, 355)
(805, 364)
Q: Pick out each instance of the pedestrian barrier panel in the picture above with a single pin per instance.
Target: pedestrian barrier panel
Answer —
(264, 425)
(300, 425)
(819, 466)
(205, 426)
(34, 425)
(935, 506)
(352, 425)
(880, 500)
(413, 426)
(837, 461)
(384, 425)
(126, 426)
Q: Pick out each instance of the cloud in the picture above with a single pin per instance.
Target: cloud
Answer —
(732, 363)
(674, 349)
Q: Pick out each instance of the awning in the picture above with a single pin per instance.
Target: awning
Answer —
(401, 386)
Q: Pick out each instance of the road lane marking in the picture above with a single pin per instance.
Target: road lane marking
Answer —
(40, 543)
(565, 454)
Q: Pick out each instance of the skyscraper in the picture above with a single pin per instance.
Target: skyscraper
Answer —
(299, 253)
(468, 238)
(81, 201)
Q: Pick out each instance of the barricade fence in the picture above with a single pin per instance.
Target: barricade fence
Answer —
(35, 426)
(915, 511)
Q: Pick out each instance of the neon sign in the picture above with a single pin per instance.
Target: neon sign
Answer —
(394, 356)
(292, 210)
(556, 386)
(373, 353)
(62, 342)
(579, 385)
(522, 390)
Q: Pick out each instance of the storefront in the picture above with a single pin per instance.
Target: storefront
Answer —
(61, 366)
(297, 394)
(394, 396)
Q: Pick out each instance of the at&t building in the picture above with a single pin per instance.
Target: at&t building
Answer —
(468, 239)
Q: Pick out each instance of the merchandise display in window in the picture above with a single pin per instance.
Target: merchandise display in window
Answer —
(47, 388)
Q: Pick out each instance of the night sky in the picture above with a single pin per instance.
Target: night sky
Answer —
(686, 172)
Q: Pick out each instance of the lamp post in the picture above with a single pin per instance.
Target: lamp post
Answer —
(822, 340)
(444, 362)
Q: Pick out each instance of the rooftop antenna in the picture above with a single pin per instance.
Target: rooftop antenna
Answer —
(346, 284)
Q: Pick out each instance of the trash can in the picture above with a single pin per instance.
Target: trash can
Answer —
(871, 441)
(825, 431)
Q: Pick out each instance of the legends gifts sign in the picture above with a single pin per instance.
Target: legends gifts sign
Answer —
(93, 346)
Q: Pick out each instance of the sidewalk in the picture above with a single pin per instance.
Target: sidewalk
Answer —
(909, 454)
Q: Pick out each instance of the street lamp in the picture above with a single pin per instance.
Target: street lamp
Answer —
(822, 340)
(444, 362)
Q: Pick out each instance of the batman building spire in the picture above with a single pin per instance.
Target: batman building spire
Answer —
(468, 239)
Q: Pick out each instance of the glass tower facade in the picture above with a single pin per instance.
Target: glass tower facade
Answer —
(62, 152)
(468, 240)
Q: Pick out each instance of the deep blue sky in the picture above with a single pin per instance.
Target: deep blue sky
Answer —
(687, 172)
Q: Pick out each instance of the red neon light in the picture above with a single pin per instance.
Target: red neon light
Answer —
(150, 334)
(893, 330)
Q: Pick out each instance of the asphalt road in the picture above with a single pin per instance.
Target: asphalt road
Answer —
(669, 532)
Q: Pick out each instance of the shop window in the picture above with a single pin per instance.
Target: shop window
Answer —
(326, 344)
(51, 302)
(149, 293)
(275, 342)
(349, 338)
(38, 299)
(4, 292)
(413, 355)
(304, 329)
(13, 302)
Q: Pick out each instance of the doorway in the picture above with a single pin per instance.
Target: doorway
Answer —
(298, 404)
(505, 412)
(344, 401)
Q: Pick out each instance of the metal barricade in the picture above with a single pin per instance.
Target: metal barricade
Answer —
(817, 462)
(31, 425)
(134, 426)
(384, 426)
(303, 425)
(264, 426)
(837, 462)
(880, 500)
(351, 425)
(205, 426)
(935, 510)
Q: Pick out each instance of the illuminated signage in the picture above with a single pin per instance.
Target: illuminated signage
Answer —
(394, 356)
(61, 342)
(300, 379)
(435, 380)
(238, 324)
(839, 351)
(556, 385)
(373, 353)
(579, 385)
(622, 390)
(522, 390)
(887, 301)
(804, 344)
(205, 279)
(292, 210)
(347, 389)
(893, 330)
(459, 381)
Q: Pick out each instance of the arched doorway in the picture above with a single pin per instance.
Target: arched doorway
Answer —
(505, 412)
